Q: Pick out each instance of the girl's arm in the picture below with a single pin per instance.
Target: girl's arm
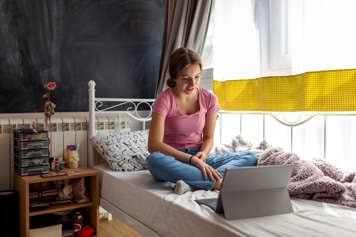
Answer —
(208, 136)
(208, 142)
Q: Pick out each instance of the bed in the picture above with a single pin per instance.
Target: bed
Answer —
(153, 210)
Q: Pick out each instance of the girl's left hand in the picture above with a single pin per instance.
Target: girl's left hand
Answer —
(201, 155)
(207, 170)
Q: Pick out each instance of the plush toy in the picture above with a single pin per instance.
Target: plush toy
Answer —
(261, 148)
(237, 144)
(66, 192)
(79, 190)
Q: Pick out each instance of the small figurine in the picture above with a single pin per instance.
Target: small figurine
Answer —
(78, 221)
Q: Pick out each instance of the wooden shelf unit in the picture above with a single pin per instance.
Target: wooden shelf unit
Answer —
(22, 184)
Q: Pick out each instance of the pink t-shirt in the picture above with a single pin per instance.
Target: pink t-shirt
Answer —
(180, 130)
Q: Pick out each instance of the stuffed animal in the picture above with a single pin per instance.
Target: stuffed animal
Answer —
(66, 192)
(237, 144)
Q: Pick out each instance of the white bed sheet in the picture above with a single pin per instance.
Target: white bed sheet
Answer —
(168, 214)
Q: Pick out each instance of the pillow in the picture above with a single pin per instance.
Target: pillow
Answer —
(123, 151)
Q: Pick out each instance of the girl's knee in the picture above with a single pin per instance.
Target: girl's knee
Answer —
(153, 164)
(158, 160)
(153, 159)
(249, 157)
(252, 158)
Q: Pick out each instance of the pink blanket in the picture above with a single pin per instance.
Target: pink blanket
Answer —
(317, 179)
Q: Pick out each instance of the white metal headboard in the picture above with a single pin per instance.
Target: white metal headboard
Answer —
(138, 109)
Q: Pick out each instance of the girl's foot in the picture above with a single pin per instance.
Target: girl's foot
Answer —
(181, 187)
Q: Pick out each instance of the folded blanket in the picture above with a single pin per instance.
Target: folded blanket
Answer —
(317, 179)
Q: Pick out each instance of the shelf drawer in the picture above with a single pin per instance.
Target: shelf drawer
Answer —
(33, 170)
(25, 145)
(24, 154)
(37, 161)
(30, 135)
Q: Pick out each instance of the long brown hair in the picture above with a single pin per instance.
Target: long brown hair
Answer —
(179, 59)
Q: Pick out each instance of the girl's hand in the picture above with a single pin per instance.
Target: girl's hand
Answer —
(207, 170)
(201, 155)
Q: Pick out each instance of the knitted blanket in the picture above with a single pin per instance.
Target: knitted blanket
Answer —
(317, 179)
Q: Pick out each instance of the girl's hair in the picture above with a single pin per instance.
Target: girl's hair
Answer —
(180, 58)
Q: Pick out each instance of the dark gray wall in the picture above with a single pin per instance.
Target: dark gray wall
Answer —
(117, 43)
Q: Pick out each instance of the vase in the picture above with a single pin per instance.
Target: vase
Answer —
(47, 127)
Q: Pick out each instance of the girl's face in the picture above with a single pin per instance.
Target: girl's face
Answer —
(188, 79)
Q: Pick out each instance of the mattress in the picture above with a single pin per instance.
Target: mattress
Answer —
(169, 214)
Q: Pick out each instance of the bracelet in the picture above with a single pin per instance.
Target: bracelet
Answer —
(190, 159)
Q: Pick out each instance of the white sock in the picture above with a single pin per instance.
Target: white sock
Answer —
(181, 187)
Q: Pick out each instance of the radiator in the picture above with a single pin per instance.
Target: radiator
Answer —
(63, 131)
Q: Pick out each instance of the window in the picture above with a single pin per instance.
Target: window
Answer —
(258, 38)
(249, 39)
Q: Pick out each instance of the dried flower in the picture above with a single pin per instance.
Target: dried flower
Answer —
(50, 86)
(49, 106)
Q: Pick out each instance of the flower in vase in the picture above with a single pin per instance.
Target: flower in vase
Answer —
(49, 106)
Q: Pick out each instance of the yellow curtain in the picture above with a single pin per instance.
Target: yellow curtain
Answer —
(319, 91)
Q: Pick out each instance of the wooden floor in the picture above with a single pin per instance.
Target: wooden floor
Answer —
(115, 228)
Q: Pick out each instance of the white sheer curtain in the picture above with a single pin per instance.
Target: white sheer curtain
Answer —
(258, 38)
(321, 34)
(236, 51)
(254, 38)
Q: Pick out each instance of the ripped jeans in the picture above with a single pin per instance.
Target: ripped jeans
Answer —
(167, 168)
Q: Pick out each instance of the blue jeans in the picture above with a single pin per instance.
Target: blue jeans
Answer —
(167, 168)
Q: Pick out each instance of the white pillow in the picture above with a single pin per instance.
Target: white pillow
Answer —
(123, 151)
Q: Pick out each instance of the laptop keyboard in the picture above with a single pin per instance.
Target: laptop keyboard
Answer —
(210, 202)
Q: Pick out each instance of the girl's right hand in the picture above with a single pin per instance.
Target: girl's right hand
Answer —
(206, 169)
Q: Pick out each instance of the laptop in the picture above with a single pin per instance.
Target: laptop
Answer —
(253, 191)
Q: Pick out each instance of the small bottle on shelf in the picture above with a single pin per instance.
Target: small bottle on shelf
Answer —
(78, 221)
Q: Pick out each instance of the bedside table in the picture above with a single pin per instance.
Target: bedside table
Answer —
(23, 183)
